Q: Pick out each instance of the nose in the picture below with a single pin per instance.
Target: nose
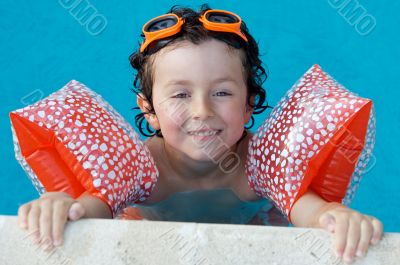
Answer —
(202, 109)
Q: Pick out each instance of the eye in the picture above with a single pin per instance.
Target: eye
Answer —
(180, 95)
(223, 93)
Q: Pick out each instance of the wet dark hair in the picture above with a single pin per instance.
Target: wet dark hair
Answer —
(193, 31)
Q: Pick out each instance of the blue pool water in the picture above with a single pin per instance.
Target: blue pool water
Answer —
(43, 47)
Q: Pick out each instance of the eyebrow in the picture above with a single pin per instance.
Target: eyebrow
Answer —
(177, 82)
(186, 82)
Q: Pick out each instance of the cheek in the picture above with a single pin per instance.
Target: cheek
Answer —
(232, 114)
(172, 114)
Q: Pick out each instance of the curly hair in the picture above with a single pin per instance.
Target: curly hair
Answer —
(193, 31)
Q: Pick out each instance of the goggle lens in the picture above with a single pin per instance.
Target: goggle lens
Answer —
(219, 17)
(162, 23)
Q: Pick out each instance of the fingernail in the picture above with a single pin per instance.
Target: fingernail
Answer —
(331, 228)
(47, 244)
(57, 242)
(374, 240)
(338, 253)
(22, 224)
(48, 247)
(348, 259)
(360, 253)
(36, 238)
(45, 240)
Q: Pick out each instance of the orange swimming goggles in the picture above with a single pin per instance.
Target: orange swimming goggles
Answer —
(170, 24)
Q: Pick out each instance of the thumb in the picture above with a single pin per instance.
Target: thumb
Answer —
(327, 222)
(76, 211)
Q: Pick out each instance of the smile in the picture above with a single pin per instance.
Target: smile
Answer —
(205, 133)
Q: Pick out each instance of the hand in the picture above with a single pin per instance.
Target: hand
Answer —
(45, 218)
(353, 230)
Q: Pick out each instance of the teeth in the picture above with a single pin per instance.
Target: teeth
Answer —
(204, 133)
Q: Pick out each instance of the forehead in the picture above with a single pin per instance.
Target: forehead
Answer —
(210, 60)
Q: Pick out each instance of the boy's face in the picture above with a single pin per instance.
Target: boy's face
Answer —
(199, 87)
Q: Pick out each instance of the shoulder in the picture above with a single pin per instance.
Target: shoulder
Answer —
(154, 144)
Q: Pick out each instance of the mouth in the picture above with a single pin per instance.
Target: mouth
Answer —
(204, 134)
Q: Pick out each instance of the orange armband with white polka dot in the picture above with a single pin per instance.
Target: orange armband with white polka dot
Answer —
(320, 136)
(74, 141)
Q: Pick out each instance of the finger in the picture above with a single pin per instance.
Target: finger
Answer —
(353, 237)
(60, 215)
(365, 238)
(76, 211)
(45, 223)
(33, 221)
(23, 212)
(340, 234)
(378, 230)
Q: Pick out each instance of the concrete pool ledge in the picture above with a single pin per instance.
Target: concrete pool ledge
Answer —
(101, 241)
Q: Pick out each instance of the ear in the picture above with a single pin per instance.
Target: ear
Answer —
(144, 106)
(249, 110)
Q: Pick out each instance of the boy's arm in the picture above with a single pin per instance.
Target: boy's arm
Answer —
(94, 207)
(306, 209)
(353, 230)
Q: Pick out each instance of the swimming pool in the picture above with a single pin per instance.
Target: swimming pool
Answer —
(45, 45)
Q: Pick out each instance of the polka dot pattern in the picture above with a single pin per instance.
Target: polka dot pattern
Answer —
(298, 128)
(120, 166)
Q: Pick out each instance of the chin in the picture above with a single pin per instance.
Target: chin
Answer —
(200, 156)
(208, 153)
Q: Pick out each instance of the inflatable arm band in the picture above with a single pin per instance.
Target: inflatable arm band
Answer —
(74, 141)
(320, 137)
